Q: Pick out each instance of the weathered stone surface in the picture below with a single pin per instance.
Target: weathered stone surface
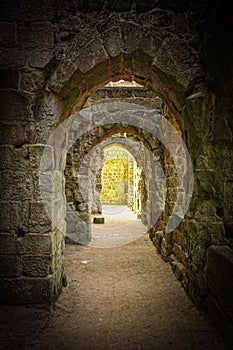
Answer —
(174, 63)
(32, 10)
(38, 218)
(40, 58)
(131, 36)
(179, 49)
(35, 152)
(32, 80)
(17, 185)
(12, 261)
(37, 266)
(7, 244)
(91, 55)
(112, 41)
(178, 269)
(35, 244)
(38, 34)
(14, 215)
(17, 133)
(39, 289)
(12, 158)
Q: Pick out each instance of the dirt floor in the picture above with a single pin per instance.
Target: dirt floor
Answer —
(118, 298)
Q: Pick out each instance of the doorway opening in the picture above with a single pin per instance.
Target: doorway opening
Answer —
(114, 164)
(120, 179)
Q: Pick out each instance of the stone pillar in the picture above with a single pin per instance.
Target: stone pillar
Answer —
(31, 248)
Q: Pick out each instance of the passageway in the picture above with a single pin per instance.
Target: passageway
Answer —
(155, 78)
(121, 226)
(120, 298)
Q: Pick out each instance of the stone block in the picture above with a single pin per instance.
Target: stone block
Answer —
(7, 243)
(17, 133)
(32, 81)
(37, 266)
(82, 40)
(177, 250)
(59, 239)
(39, 220)
(157, 239)
(219, 276)
(58, 183)
(210, 181)
(206, 211)
(178, 269)
(17, 185)
(40, 58)
(37, 35)
(63, 73)
(14, 215)
(33, 10)
(91, 55)
(172, 59)
(59, 212)
(36, 244)
(35, 153)
(132, 36)
(113, 42)
(98, 220)
(179, 236)
(27, 290)
(43, 187)
(10, 265)
(58, 260)
(13, 158)
(82, 206)
(150, 44)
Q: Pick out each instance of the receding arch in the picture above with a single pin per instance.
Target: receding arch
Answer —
(148, 56)
(184, 94)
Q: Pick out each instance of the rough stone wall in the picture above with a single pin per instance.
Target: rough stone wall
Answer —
(117, 179)
(53, 55)
(82, 191)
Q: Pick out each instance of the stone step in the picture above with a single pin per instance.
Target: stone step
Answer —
(98, 220)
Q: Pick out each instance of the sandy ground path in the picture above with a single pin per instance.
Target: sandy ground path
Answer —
(119, 298)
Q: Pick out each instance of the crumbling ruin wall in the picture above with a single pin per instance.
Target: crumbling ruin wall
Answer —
(51, 59)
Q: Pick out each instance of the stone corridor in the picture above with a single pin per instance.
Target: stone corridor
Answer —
(123, 298)
(155, 78)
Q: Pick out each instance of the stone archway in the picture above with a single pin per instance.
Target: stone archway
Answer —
(135, 171)
(150, 57)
